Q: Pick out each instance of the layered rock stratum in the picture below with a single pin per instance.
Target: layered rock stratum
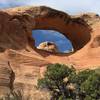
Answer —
(21, 64)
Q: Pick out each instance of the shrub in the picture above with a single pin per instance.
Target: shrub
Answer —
(65, 84)
(13, 96)
(91, 87)
(56, 79)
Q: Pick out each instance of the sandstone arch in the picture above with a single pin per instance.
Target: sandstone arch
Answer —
(75, 29)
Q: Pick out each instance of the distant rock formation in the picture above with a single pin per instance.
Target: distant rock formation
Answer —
(48, 46)
(21, 64)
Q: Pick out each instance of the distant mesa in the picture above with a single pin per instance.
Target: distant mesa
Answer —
(48, 46)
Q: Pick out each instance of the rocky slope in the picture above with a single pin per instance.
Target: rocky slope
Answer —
(21, 64)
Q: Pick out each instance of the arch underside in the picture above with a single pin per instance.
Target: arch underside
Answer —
(75, 29)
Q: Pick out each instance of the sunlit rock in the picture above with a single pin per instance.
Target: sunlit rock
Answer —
(17, 45)
(48, 46)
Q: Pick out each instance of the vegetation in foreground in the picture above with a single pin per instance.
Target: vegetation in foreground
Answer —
(65, 83)
(13, 96)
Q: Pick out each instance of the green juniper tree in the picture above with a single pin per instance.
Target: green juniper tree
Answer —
(65, 84)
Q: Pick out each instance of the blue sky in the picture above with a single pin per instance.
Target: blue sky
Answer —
(63, 44)
(69, 6)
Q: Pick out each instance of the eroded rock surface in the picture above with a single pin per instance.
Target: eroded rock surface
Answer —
(48, 46)
(21, 64)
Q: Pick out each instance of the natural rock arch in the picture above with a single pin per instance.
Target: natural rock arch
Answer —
(74, 28)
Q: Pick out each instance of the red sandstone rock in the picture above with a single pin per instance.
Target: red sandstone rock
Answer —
(21, 64)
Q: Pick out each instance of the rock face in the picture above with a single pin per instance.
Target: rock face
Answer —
(48, 46)
(21, 64)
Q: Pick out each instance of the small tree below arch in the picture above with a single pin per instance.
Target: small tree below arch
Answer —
(65, 84)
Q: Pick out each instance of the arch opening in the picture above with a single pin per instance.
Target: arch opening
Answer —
(52, 41)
